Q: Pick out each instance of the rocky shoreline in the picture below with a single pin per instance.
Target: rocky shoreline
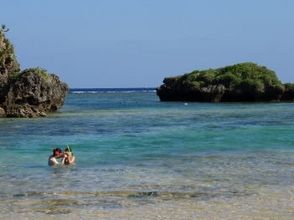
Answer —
(29, 93)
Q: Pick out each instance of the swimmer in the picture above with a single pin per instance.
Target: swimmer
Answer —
(69, 157)
(57, 154)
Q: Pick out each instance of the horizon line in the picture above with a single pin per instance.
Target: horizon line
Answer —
(74, 88)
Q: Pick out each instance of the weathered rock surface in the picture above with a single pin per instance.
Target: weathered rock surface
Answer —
(8, 64)
(2, 112)
(33, 94)
(30, 93)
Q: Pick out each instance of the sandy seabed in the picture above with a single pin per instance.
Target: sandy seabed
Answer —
(268, 203)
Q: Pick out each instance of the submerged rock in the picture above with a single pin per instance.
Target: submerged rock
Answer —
(30, 93)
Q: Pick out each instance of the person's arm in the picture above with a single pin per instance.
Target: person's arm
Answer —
(65, 156)
(72, 160)
(53, 161)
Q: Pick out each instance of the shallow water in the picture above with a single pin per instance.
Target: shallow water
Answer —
(138, 158)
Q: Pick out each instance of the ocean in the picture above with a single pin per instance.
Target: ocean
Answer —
(139, 158)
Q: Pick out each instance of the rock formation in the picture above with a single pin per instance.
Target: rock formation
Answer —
(8, 63)
(28, 93)
(245, 82)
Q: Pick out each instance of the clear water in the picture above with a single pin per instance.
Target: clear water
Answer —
(138, 158)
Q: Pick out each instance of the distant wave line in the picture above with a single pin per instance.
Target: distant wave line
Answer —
(110, 90)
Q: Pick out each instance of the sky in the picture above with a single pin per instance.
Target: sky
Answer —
(136, 43)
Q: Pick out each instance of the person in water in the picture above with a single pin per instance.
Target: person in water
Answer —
(69, 157)
(53, 159)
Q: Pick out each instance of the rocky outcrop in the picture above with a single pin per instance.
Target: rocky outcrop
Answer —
(8, 63)
(34, 93)
(30, 93)
(244, 82)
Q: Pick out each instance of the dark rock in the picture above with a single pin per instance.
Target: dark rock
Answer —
(212, 93)
(288, 95)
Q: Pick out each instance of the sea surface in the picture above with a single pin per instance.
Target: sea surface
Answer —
(139, 158)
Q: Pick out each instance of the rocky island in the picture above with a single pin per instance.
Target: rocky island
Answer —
(244, 82)
(29, 93)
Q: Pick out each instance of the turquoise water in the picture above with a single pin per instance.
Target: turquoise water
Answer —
(134, 152)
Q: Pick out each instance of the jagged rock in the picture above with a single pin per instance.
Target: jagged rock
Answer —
(213, 93)
(34, 93)
(8, 64)
(30, 93)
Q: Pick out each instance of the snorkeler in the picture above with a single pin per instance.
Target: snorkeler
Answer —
(68, 157)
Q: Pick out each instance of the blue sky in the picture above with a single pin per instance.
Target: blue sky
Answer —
(136, 43)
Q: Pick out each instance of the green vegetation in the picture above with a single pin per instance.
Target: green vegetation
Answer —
(37, 71)
(247, 82)
(8, 62)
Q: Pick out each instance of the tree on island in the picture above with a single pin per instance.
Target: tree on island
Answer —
(244, 82)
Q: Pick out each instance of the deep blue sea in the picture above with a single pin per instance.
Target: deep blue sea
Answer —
(139, 158)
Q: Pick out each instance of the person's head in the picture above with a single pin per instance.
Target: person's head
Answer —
(67, 149)
(57, 152)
